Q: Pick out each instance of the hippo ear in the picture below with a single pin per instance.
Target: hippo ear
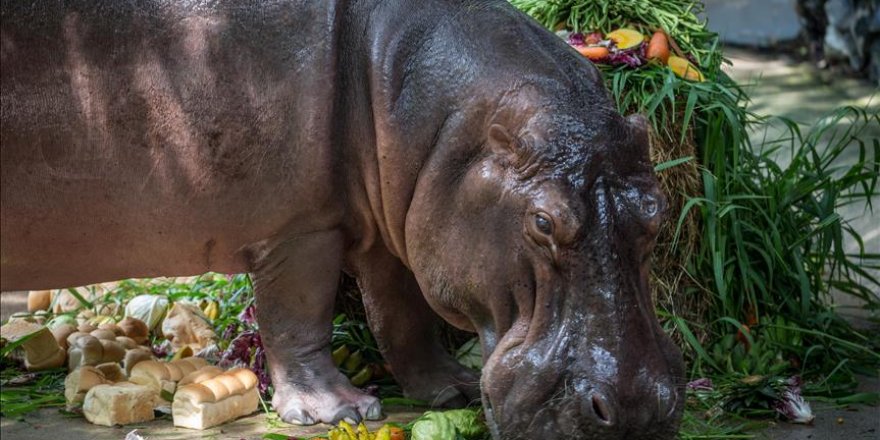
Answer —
(501, 141)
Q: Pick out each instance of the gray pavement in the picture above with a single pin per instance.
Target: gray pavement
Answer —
(761, 23)
(861, 423)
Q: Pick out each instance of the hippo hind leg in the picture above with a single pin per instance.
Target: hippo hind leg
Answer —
(295, 285)
(407, 332)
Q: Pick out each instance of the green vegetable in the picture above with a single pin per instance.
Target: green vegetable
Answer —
(339, 355)
(362, 376)
(455, 424)
(434, 426)
(354, 361)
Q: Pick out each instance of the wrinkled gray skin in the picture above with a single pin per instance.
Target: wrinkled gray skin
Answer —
(451, 155)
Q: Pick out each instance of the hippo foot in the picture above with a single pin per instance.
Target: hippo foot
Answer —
(308, 407)
(448, 385)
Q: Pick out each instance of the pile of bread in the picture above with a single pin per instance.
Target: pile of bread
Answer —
(117, 380)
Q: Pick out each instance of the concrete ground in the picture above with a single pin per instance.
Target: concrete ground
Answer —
(49, 424)
(753, 22)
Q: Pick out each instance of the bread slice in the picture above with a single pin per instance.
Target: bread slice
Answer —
(119, 404)
(216, 400)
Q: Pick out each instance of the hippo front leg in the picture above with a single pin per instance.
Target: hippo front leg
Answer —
(407, 332)
(295, 285)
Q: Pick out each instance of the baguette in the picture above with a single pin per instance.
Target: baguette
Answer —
(219, 399)
(119, 404)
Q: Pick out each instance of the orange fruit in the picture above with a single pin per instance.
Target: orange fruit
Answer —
(626, 38)
(684, 69)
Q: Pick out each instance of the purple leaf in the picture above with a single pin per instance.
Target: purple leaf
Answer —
(248, 315)
(702, 384)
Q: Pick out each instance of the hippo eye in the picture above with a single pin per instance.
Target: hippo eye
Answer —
(543, 223)
(650, 206)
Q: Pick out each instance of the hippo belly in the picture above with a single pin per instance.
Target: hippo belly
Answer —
(145, 143)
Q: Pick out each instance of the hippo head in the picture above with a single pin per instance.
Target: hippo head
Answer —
(541, 243)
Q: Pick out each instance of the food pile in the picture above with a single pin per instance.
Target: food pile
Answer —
(115, 377)
(630, 47)
(457, 424)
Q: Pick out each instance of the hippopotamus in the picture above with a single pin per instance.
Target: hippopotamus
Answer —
(457, 159)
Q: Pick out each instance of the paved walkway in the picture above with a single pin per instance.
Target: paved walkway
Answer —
(760, 23)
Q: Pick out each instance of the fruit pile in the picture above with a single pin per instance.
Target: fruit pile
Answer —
(631, 48)
(345, 431)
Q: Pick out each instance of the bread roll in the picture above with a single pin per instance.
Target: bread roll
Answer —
(39, 300)
(224, 397)
(126, 342)
(135, 329)
(134, 356)
(119, 404)
(84, 350)
(113, 351)
(85, 327)
(117, 331)
(98, 347)
(61, 333)
(103, 334)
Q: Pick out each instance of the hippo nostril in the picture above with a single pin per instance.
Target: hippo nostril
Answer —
(602, 409)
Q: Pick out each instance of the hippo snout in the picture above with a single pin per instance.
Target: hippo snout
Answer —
(560, 393)
(596, 414)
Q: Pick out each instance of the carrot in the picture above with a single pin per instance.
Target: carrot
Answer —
(658, 48)
(397, 433)
(593, 52)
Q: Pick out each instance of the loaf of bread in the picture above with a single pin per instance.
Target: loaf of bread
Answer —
(79, 382)
(163, 376)
(119, 404)
(41, 350)
(200, 375)
(216, 400)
